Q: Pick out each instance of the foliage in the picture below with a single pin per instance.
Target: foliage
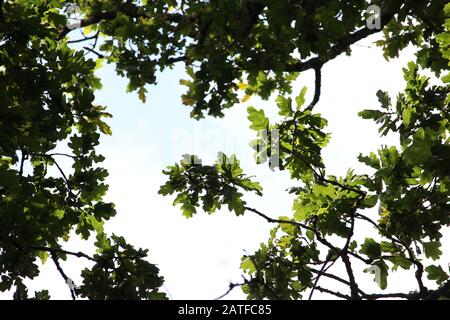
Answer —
(47, 100)
(409, 183)
(212, 185)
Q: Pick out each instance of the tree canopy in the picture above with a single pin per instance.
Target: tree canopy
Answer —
(49, 51)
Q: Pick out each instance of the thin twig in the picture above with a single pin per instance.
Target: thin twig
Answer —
(95, 36)
(230, 288)
(271, 220)
(176, 59)
(55, 250)
(63, 175)
(98, 54)
(24, 156)
(316, 282)
(50, 155)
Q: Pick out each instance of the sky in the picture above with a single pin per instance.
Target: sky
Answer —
(199, 257)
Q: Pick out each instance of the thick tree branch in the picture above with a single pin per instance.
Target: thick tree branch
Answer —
(443, 291)
(419, 272)
(344, 256)
(353, 284)
(390, 295)
(133, 11)
(334, 293)
(54, 257)
(317, 87)
(412, 258)
(389, 11)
